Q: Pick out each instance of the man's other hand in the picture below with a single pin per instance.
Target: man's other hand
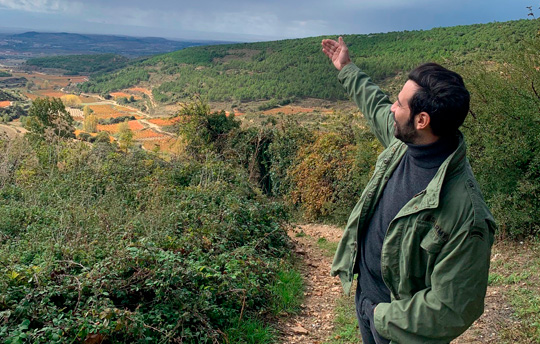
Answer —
(337, 52)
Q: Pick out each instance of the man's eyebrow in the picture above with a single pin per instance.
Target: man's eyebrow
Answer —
(399, 103)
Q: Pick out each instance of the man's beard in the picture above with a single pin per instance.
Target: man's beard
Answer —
(405, 132)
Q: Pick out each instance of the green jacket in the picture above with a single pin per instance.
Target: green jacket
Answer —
(436, 252)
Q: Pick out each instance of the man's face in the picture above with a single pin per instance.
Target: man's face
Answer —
(404, 126)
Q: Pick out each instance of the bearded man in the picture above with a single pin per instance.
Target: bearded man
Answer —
(420, 236)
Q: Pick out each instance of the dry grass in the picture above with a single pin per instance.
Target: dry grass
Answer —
(117, 95)
(147, 133)
(5, 103)
(141, 90)
(167, 145)
(30, 96)
(51, 93)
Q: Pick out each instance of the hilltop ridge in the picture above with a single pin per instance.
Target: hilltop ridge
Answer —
(296, 68)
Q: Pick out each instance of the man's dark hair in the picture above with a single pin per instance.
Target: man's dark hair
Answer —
(442, 94)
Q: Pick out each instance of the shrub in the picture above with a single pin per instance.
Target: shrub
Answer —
(327, 177)
(504, 144)
(125, 247)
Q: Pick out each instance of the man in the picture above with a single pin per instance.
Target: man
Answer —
(420, 236)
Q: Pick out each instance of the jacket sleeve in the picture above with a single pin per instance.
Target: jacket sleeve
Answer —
(372, 101)
(454, 300)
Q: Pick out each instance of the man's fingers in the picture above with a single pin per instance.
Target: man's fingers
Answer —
(342, 43)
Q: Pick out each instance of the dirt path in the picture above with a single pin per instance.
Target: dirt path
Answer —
(314, 324)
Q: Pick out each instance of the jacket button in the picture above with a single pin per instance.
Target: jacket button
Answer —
(386, 160)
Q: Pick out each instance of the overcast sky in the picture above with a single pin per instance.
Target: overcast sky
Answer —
(245, 20)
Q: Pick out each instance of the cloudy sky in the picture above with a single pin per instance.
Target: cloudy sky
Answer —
(248, 20)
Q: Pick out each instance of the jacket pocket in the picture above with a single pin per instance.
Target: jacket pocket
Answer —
(434, 240)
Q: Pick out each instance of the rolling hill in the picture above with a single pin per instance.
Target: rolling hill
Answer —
(297, 68)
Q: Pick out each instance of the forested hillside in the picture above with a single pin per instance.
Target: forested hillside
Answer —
(81, 64)
(297, 68)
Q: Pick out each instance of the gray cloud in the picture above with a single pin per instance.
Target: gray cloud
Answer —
(262, 19)
(42, 6)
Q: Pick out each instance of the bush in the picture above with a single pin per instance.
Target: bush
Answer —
(125, 247)
(327, 177)
(504, 144)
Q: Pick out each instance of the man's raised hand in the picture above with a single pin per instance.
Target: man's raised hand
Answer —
(337, 52)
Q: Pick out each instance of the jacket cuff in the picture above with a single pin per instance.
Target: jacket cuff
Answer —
(349, 69)
(378, 320)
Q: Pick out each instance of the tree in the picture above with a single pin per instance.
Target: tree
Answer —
(45, 85)
(71, 100)
(102, 137)
(125, 135)
(48, 117)
(90, 123)
(87, 111)
(203, 129)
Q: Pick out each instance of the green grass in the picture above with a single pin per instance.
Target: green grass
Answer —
(329, 248)
(513, 278)
(301, 234)
(287, 292)
(250, 331)
(518, 274)
(526, 303)
(346, 326)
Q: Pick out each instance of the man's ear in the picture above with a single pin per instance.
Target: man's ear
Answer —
(422, 121)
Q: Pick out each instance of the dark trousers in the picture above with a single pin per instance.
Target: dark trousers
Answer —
(364, 313)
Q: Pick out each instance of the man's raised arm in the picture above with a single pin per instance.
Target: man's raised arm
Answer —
(373, 103)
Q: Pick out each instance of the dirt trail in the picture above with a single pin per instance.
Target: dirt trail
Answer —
(315, 322)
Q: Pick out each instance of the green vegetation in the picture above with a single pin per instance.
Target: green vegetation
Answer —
(11, 95)
(130, 247)
(126, 247)
(17, 109)
(503, 139)
(515, 268)
(81, 64)
(329, 248)
(48, 118)
(297, 68)
(115, 120)
(109, 82)
(526, 302)
(287, 292)
(346, 329)
(4, 73)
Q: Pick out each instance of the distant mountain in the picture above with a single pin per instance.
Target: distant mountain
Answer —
(35, 44)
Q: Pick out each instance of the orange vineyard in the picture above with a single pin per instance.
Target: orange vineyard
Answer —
(113, 128)
(162, 122)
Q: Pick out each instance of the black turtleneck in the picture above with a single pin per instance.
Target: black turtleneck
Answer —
(414, 172)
